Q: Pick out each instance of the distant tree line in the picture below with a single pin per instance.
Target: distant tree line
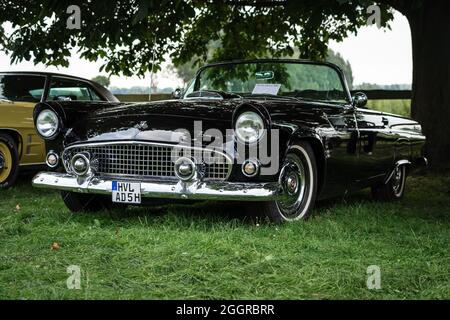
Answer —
(186, 71)
(373, 86)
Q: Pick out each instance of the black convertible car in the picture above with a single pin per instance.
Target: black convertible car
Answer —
(276, 134)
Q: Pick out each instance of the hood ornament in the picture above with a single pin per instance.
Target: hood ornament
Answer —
(142, 125)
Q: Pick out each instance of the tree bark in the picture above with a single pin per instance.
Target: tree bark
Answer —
(430, 30)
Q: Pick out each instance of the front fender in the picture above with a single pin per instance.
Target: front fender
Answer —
(295, 133)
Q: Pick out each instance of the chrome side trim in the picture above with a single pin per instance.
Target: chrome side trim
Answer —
(196, 190)
(32, 164)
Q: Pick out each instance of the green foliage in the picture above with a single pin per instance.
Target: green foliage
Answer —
(128, 34)
(186, 71)
(338, 59)
(211, 252)
(373, 86)
(104, 81)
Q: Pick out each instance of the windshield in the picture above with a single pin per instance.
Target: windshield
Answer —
(300, 80)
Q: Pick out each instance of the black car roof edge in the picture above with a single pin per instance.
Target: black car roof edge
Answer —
(43, 73)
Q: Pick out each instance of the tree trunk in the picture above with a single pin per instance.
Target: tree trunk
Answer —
(430, 29)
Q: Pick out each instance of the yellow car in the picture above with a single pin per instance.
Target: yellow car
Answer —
(20, 145)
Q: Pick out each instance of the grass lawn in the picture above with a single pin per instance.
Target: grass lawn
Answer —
(210, 252)
(400, 107)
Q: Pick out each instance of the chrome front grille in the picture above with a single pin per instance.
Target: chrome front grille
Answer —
(148, 160)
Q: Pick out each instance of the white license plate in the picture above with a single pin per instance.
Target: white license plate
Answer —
(126, 192)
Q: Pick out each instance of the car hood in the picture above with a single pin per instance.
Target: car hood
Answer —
(198, 109)
(162, 121)
(168, 121)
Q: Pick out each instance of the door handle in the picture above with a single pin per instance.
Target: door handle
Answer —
(385, 121)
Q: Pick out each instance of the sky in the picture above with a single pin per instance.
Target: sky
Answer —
(376, 55)
(380, 56)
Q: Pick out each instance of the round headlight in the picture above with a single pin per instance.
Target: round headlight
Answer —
(249, 127)
(47, 123)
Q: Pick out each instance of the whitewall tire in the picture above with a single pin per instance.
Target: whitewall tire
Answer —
(394, 189)
(298, 177)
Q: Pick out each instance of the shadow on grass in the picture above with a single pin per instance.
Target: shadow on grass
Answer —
(428, 197)
(210, 213)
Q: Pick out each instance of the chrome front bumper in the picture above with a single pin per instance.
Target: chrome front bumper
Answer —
(196, 190)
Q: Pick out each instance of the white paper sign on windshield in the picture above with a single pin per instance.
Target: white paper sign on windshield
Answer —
(266, 88)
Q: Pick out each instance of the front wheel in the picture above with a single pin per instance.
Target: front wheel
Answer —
(9, 161)
(298, 178)
(394, 189)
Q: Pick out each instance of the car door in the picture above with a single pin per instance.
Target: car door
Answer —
(342, 151)
(376, 145)
(19, 93)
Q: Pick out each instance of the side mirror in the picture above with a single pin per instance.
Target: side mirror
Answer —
(177, 93)
(359, 100)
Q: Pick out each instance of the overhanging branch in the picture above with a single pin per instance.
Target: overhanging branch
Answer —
(399, 5)
(247, 3)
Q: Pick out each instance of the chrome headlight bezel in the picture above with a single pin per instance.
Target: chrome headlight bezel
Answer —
(47, 124)
(245, 123)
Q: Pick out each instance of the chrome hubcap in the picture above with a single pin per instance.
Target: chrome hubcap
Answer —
(397, 180)
(294, 181)
(292, 184)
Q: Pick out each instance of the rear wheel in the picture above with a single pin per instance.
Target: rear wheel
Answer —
(394, 189)
(9, 161)
(299, 180)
